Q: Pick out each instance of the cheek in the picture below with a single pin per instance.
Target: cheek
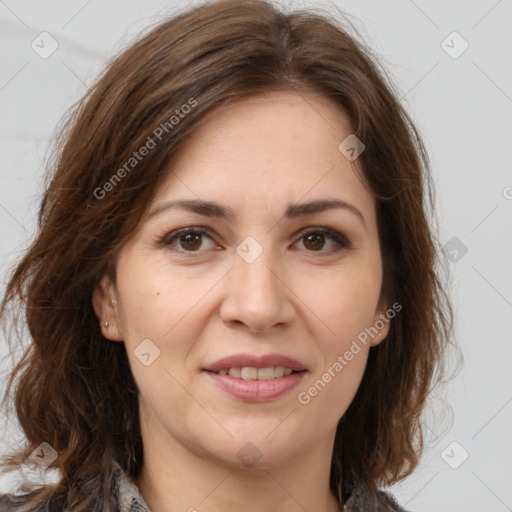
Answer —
(344, 349)
(154, 296)
(346, 305)
(329, 393)
(159, 306)
(346, 310)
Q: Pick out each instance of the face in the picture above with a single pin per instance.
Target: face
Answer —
(266, 283)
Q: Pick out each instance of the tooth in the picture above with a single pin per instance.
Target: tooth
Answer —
(249, 373)
(279, 371)
(266, 373)
(234, 372)
(252, 373)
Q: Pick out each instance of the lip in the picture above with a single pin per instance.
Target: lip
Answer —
(256, 390)
(249, 360)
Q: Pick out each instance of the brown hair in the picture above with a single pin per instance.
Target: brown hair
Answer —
(75, 389)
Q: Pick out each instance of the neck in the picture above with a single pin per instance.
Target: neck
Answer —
(173, 477)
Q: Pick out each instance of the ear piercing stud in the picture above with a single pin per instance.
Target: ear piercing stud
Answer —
(114, 303)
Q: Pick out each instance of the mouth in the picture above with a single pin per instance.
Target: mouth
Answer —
(253, 373)
(250, 366)
(256, 378)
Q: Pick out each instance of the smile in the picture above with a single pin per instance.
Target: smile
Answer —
(249, 387)
(253, 373)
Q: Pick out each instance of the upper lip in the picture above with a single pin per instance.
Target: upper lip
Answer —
(248, 360)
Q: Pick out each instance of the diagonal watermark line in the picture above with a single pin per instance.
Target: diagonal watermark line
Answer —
(297, 91)
(424, 14)
(14, 76)
(492, 81)
(3, 3)
(491, 419)
(217, 486)
(76, 14)
(198, 402)
(508, 508)
(198, 301)
(304, 195)
(12, 217)
(429, 429)
(302, 301)
(193, 192)
(74, 74)
(280, 423)
(286, 491)
(485, 15)
(487, 281)
(123, 327)
(492, 211)
(421, 490)
(420, 80)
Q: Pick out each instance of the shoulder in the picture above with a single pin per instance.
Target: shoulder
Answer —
(8, 502)
(387, 502)
(15, 503)
(124, 495)
(381, 501)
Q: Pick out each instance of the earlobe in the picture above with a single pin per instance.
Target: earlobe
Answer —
(105, 307)
(381, 324)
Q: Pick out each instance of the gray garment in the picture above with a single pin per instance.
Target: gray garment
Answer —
(127, 498)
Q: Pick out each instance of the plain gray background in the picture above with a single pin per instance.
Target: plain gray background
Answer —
(462, 104)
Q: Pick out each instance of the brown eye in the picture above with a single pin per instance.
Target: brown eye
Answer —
(190, 241)
(315, 240)
(186, 240)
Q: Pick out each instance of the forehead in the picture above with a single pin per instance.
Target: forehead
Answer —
(277, 147)
(273, 124)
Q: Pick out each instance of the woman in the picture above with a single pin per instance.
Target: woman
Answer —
(232, 295)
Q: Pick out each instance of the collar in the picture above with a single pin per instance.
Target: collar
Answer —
(130, 499)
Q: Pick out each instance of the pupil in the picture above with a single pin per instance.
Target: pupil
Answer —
(315, 239)
(189, 239)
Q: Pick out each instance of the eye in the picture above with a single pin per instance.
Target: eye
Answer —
(190, 240)
(314, 240)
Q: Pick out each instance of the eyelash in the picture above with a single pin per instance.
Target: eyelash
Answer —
(341, 241)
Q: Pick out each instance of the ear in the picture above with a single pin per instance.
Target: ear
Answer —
(381, 323)
(106, 309)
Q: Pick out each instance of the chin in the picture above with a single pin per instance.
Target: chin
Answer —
(258, 447)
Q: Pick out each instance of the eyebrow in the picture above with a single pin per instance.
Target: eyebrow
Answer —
(293, 211)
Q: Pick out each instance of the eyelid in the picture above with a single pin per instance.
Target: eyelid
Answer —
(338, 237)
(341, 240)
(177, 233)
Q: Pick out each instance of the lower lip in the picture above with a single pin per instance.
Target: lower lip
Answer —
(256, 390)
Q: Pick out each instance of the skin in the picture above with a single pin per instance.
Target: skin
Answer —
(298, 298)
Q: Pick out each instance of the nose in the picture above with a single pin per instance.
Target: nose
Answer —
(257, 295)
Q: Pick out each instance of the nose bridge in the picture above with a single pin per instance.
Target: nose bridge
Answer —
(256, 267)
(256, 294)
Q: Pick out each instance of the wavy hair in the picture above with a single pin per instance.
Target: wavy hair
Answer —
(73, 388)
